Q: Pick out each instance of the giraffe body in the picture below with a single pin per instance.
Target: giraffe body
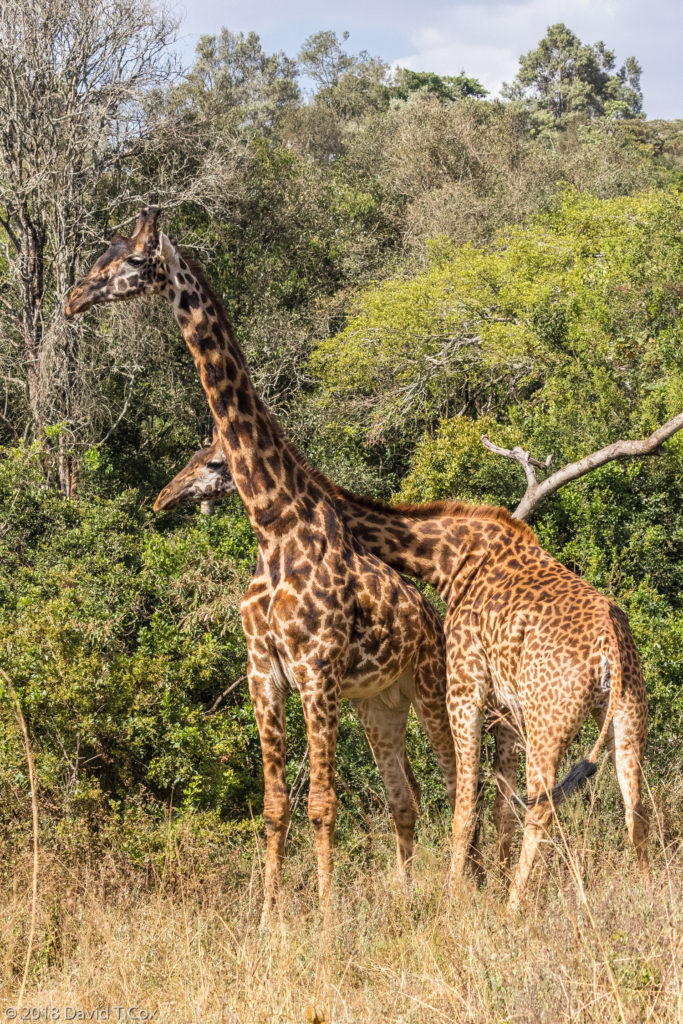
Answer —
(523, 629)
(525, 635)
(321, 616)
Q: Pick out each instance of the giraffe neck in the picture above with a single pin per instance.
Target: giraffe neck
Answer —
(267, 477)
(449, 545)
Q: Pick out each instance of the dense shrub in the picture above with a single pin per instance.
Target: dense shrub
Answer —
(119, 630)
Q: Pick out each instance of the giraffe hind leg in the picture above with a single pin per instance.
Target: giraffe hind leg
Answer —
(430, 682)
(506, 810)
(385, 728)
(269, 709)
(626, 745)
(467, 746)
(321, 703)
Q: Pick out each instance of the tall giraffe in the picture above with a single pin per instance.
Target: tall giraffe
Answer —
(320, 616)
(207, 477)
(523, 633)
(384, 717)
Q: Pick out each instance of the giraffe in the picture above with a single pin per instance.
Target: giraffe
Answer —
(523, 633)
(533, 639)
(207, 477)
(320, 616)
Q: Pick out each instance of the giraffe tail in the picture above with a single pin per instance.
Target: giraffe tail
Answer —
(581, 772)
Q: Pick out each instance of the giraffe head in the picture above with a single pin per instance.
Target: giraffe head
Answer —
(130, 266)
(206, 477)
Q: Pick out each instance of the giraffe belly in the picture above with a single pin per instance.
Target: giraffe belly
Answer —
(399, 695)
(393, 686)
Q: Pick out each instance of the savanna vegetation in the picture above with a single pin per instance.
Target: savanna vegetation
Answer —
(409, 263)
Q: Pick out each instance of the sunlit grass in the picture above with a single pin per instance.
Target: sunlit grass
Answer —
(179, 934)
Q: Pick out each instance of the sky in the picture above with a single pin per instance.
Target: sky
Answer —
(484, 38)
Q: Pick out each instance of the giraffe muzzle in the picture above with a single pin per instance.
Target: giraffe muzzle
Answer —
(80, 301)
(166, 501)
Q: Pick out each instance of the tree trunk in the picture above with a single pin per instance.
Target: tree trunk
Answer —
(31, 279)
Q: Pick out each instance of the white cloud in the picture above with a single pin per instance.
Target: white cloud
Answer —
(485, 38)
(492, 65)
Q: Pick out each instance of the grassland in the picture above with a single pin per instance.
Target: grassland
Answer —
(177, 931)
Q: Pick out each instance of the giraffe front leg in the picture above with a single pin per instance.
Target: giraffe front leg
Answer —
(269, 708)
(321, 699)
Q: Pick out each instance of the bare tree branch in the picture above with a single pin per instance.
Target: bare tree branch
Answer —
(123, 412)
(536, 493)
(223, 695)
(524, 459)
(88, 132)
(10, 426)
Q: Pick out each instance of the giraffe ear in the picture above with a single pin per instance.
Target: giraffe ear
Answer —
(165, 249)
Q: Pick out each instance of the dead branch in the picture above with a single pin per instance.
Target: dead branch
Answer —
(296, 791)
(223, 695)
(34, 812)
(536, 493)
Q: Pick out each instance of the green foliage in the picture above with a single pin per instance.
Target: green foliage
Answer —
(449, 465)
(119, 630)
(563, 77)
(446, 87)
(579, 307)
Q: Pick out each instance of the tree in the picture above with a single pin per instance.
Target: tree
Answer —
(233, 75)
(563, 77)
(82, 135)
(446, 88)
(570, 318)
(348, 83)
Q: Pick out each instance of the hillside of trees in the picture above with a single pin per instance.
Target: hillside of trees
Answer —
(409, 264)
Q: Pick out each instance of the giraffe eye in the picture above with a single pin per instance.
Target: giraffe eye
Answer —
(136, 261)
(214, 465)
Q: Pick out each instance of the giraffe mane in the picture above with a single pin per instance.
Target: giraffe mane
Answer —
(441, 510)
(418, 513)
(200, 274)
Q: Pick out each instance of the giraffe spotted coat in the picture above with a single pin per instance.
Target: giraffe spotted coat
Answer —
(321, 616)
(524, 634)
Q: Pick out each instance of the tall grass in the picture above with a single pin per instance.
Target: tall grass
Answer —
(177, 932)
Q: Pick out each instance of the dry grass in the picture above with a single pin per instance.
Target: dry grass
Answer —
(179, 934)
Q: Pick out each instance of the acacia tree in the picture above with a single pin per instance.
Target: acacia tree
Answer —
(85, 139)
